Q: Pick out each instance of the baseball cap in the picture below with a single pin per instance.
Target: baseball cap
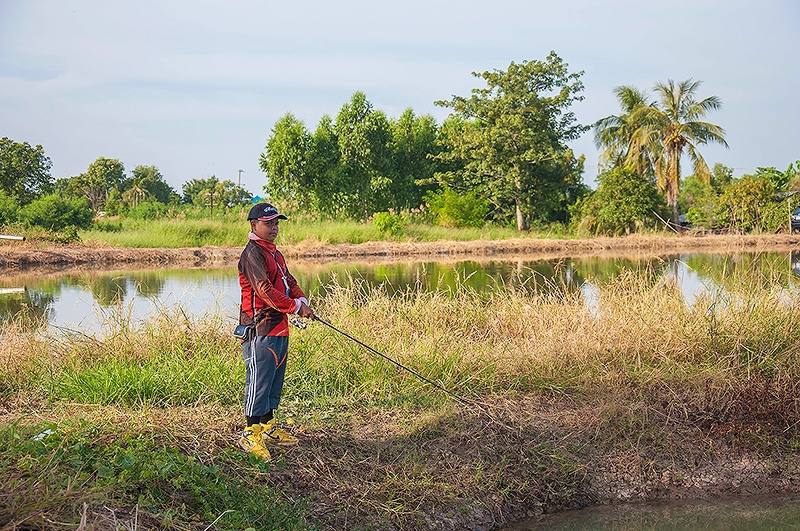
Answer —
(264, 212)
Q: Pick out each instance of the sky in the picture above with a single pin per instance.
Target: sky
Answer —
(194, 87)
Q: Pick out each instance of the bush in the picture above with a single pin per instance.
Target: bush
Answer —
(9, 209)
(389, 223)
(775, 215)
(624, 202)
(53, 212)
(740, 207)
(452, 209)
(147, 210)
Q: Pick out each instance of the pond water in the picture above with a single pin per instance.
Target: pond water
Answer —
(748, 514)
(87, 300)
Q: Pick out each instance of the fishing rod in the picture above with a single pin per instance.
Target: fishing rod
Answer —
(452, 395)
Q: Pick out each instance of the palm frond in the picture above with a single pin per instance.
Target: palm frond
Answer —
(700, 167)
(705, 133)
(696, 109)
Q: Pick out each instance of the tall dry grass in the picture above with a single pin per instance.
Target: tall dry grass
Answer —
(641, 331)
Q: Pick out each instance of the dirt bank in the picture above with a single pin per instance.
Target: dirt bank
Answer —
(30, 256)
(450, 468)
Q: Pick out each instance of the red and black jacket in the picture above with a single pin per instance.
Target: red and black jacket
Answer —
(266, 298)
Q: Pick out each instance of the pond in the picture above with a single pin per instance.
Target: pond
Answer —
(87, 300)
(745, 514)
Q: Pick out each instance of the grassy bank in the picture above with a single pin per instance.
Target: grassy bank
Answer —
(570, 393)
(229, 232)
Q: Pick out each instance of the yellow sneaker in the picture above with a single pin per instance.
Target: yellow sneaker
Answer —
(274, 434)
(252, 441)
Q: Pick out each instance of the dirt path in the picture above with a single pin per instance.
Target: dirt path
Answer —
(16, 256)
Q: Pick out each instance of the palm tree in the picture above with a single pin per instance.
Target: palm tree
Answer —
(651, 137)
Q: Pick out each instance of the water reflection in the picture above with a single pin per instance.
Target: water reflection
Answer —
(85, 300)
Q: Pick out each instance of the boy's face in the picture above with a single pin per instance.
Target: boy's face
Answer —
(266, 230)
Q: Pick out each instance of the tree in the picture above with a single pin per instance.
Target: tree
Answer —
(284, 160)
(145, 183)
(660, 132)
(363, 136)
(101, 176)
(613, 134)
(412, 145)
(24, 170)
(623, 203)
(721, 176)
(213, 193)
(324, 169)
(514, 127)
(740, 207)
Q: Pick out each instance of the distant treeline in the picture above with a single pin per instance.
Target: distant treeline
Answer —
(501, 157)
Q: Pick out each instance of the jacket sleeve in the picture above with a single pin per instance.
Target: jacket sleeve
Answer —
(254, 268)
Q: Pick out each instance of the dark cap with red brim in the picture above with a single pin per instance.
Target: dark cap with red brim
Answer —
(264, 212)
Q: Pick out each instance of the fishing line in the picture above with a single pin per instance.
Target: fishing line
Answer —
(398, 364)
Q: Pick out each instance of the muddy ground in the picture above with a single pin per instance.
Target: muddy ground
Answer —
(447, 467)
(27, 255)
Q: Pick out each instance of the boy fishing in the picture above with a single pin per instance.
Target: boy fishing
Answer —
(269, 294)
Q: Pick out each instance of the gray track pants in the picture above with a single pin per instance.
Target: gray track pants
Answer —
(265, 359)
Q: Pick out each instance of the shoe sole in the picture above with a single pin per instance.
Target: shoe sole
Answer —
(280, 443)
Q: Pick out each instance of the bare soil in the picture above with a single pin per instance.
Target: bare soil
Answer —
(25, 255)
(454, 468)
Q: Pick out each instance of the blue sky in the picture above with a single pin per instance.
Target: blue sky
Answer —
(194, 87)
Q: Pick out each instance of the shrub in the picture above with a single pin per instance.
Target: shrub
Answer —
(389, 223)
(452, 209)
(8, 209)
(624, 202)
(147, 210)
(741, 205)
(54, 212)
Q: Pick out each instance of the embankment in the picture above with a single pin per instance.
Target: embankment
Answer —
(29, 256)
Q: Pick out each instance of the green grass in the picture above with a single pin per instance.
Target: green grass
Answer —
(232, 232)
(472, 343)
(145, 416)
(102, 465)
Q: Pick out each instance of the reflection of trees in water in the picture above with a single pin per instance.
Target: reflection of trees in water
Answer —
(107, 290)
(603, 270)
(30, 308)
(540, 276)
(743, 271)
(149, 284)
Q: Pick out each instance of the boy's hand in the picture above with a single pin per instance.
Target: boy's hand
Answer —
(305, 311)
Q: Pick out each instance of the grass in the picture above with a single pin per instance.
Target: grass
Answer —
(229, 232)
(144, 417)
(96, 463)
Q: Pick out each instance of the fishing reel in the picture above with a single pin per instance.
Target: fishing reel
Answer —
(299, 323)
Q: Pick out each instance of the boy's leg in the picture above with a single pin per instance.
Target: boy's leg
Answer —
(279, 347)
(272, 432)
(260, 373)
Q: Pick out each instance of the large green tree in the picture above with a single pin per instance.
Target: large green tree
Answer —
(24, 170)
(412, 146)
(102, 175)
(146, 183)
(285, 161)
(514, 132)
(363, 135)
(658, 133)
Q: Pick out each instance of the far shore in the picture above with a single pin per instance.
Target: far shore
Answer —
(30, 256)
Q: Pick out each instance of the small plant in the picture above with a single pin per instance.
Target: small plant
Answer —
(389, 223)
